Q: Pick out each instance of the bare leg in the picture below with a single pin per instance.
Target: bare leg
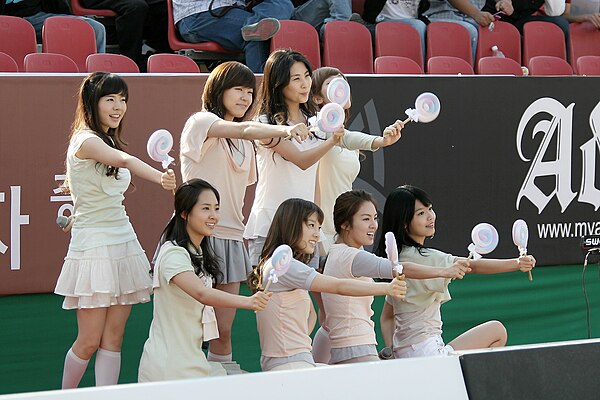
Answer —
(108, 357)
(488, 334)
(225, 316)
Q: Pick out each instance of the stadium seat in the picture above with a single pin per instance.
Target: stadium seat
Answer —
(498, 66)
(49, 62)
(588, 65)
(396, 65)
(200, 51)
(584, 40)
(115, 63)
(7, 63)
(449, 39)
(347, 46)
(542, 39)
(448, 65)
(17, 39)
(78, 9)
(398, 39)
(299, 36)
(72, 37)
(505, 36)
(549, 66)
(172, 63)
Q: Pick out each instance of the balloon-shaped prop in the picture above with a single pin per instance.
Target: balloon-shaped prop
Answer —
(338, 91)
(330, 118)
(520, 236)
(485, 239)
(278, 265)
(391, 249)
(427, 108)
(159, 145)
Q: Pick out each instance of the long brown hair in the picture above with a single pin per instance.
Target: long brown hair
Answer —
(286, 228)
(93, 88)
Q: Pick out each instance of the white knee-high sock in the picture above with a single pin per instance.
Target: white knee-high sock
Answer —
(219, 357)
(73, 370)
(108, 367)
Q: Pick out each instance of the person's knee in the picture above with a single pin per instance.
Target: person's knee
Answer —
(500, 333)
(85, 347)
(137, 8)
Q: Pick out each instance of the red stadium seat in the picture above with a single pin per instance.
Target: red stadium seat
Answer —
(79, 9)
(549, 66)
(449, 39)
(447, 65)
(201, 51)
(542, 39)
(299, 36)
(172, 63)
(588, 65)
(505, 36)
(498, 66)
(72, 37)
(398, 39)
(396, 65)
(7, 63)
(49, 62)
(115, 63)
(347, 46)
(584, 40)
(17, 38)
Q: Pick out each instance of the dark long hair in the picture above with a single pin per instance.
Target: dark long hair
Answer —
(95, 86)
(286, 228)
(186, 197)
(276, 78)
(398, 213)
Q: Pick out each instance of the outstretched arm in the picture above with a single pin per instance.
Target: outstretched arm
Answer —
(354, 287)
(495, 266)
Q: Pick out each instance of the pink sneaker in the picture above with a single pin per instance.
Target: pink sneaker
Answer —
(264, 29)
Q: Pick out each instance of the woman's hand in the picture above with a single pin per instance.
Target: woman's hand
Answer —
(259, 300)
(392, 133)
(298, 132)
(339, 134)
(526, 263)
(397, 288)
(457, 270)
(168, 180)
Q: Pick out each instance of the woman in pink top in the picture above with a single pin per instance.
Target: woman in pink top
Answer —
(348, 320)
(285, 324)
(216, 145)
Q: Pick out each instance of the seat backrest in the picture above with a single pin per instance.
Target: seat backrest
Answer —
(448, 65)
(115, 63)
(498, 66)
(171, 63)
(505, 36)
(542, 38)
(299, 36)
(394, 38)
(449, 39)
(49, 62)
(78, 9)
(17, 38)
(549, 66)
(70, 36)
(396, 65)
(347, 46)
(588, 65)
(7, 63)
(584, 40)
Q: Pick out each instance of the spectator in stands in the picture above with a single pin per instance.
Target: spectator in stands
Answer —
(137, 20)
(467, 13)
(524, 11)
(232, 24)
(319, 12)
(36, 12)
(593, 17)
(409, 12)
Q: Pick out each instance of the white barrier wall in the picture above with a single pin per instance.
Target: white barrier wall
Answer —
(419, 378)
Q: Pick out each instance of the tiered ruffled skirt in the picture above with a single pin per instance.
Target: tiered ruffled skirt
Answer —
(105, 276)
